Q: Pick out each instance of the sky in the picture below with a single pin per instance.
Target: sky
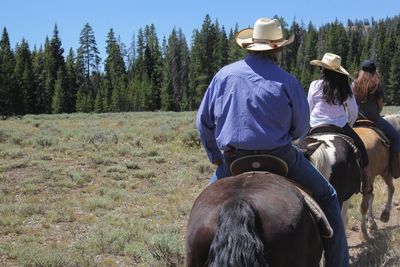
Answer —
(34, 20)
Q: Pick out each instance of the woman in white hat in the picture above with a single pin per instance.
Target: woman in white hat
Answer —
(332, 101)
(254, 106)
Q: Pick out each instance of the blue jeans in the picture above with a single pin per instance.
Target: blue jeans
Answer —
(303, 172)
(391, 133)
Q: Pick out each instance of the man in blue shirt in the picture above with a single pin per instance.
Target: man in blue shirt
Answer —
(254, 106)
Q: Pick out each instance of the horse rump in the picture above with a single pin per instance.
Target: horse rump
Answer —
(252, 219)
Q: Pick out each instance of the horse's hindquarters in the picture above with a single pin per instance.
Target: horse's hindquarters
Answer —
(281, 220)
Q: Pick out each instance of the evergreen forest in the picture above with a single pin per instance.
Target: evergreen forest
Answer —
(172, 73)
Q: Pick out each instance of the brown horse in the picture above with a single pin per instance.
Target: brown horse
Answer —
(252, 219)
(378, 154)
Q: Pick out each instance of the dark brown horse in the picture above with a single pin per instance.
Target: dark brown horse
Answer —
(252, 219)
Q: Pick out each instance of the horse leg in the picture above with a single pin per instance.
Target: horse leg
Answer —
(364, 207)
(345, 207)
(372, 224)
(385, 215)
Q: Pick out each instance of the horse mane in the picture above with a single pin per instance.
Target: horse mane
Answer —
(237, 242)
(321, 160)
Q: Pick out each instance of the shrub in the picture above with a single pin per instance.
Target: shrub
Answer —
(190, 138)
(3, 136)
(167, 249)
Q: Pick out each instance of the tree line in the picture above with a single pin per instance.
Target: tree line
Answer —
(170, 74)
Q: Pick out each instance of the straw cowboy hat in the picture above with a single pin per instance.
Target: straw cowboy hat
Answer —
(331, 62)
(266, 35)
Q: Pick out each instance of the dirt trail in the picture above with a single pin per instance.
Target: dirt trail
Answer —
(383, 249)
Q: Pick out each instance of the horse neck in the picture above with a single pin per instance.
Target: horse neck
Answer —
(321, 160)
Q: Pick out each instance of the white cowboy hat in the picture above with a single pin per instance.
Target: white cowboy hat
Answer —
(266, 35)
(331, 62)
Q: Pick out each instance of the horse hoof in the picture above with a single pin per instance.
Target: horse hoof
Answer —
(385, 216)
(373, 227)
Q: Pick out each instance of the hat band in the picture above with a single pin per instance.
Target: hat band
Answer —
(332, 65)
(272, 43)
(265, 41)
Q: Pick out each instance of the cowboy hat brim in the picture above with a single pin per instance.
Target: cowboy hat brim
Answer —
(245, 40)
(317, 62)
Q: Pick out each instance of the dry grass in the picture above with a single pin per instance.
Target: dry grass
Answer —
(102, 189)
(97, 190)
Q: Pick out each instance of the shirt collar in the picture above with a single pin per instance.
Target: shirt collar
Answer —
(257, 59)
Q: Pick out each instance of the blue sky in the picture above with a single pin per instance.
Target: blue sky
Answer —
(33, 20)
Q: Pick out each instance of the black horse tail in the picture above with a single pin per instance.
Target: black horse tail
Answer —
(237, 240)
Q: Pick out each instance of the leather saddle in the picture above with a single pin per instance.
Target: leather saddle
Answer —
(337, 131)
(326, 128)
(259, 163)
(370, 124)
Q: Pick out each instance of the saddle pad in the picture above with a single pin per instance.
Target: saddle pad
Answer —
(317, 213)
(259, 162)
(370, 124)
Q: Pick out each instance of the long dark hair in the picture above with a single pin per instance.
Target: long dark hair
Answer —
(336, 87)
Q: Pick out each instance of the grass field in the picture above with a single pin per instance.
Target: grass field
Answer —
(101, 189)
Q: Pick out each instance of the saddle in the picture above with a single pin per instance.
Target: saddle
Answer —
(370, 124)
(326, 128)
(337, 131)
(268, 163)
(259, 162)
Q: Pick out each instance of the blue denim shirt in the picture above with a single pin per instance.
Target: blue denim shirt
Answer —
(252, 104)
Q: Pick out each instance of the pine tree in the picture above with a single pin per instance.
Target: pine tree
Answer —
(393, 83)
(290, 54)
(203, 64)
(7, 82)
(115, 72)
(381, 58)
(53, 62)
(98, 102)
(235, 51)
(221, 53)
(175, 73)
(170, 69)
(356, 33)
(49, 76)
(58, 99)
(309, 72)
(38, 96)
(23, 78)
(153, 68)
(57, 53)
(70, 82)
(131, 57)
(182, 100)
(88, 61)
(88, 54)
